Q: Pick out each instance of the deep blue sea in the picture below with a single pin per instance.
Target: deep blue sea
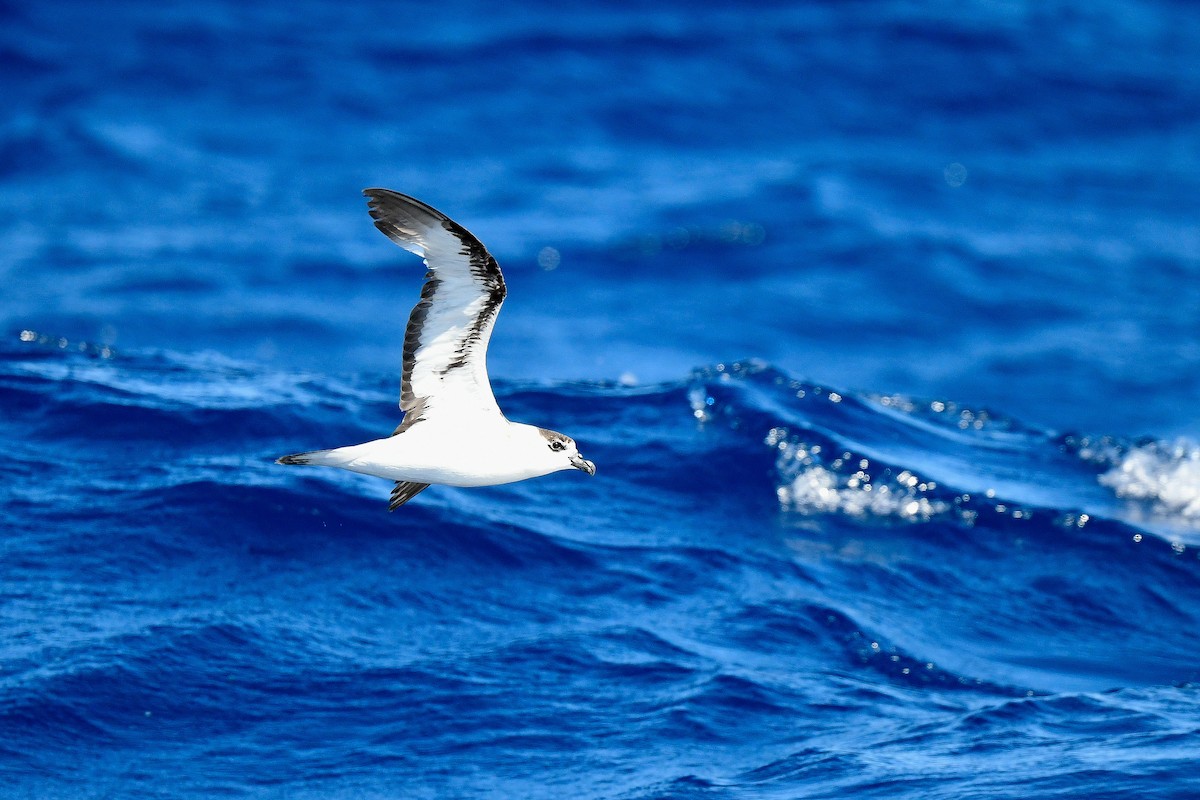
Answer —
(881, 320)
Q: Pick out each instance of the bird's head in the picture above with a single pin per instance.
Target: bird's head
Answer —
(561, 452)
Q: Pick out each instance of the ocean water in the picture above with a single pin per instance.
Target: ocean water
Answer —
(881, 321)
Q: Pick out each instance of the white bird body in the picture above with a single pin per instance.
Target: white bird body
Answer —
(466, 455)
(453, 433)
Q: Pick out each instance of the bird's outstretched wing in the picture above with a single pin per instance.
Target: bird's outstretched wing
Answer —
(404, 491)
(445, 344)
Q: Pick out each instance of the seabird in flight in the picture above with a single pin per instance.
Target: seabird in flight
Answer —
(453, 433)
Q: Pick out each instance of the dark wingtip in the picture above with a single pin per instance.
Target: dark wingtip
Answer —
(298, 458)
(404, 219)
(375, 196)
(396, 201)
(404, 491)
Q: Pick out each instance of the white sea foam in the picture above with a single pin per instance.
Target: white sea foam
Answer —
(819, 490)
(1165, 474)
(815, 482)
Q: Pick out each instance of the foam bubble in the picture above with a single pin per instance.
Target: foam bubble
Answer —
(955, 174)
(817, 490)
(813, 481)
(1166, 474)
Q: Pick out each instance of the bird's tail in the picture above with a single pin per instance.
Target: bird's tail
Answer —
(315, 457)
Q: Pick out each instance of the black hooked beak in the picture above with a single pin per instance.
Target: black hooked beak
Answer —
(579, 462)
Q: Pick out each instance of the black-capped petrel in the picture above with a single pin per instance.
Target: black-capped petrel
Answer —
(453, 433)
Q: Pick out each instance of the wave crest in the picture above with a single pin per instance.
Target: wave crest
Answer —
(1164, 474)
(813, 482)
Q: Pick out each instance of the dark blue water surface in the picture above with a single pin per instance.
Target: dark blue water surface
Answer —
(880, 319)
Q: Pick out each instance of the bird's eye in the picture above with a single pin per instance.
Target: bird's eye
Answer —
(557, 446)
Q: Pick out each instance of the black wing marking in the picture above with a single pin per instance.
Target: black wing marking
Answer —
(404, 491)
(445, 342)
